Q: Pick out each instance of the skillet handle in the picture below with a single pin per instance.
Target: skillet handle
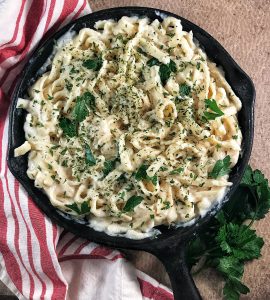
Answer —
(173, 258)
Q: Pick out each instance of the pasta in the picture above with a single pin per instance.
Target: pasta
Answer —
(132, 127)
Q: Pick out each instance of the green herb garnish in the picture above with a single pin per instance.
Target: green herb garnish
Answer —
(215, 110)
(69, 85)
(239, 241)
(73, 70)
(83, 103)
(68, 126)
(142, 175)
(184, 89)
(170, 34)
(167, 205)
(140, 50)
(80, 210)
(109, 165)
(221, 168)
(228, 241)
(162, 169)
(164, 70)
(177, 171)
(89, 157)
(172, 66)
(153, 62)
(132, 202)
(93, 64)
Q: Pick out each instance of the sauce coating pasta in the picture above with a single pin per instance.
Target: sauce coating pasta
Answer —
(132, 127)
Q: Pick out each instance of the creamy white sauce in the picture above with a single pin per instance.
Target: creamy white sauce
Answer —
(60, 43)
(99, 224)
(161, 14)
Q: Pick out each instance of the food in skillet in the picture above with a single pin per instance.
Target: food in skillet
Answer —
(132, 127)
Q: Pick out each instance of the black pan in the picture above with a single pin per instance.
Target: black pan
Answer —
(169, 246)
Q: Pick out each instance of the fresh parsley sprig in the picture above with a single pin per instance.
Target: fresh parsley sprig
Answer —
(68, 126)
(109, 165)
(228, 241)
(153, 62)
(80, 209)
(164, 70)
(221, 168)
(142, 175)
(184, 90)
(214, 112)
(94, 64)
(80, 111)
(132, 202)
(89, 157)
(177, 171)
(83, 103)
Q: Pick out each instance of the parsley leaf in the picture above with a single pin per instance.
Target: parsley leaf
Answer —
(167, 205)
(153, 62)
(221, 168)
(232, 269)
(154, 179)
(109, 165)
(215, 110)
(170, 34)
(80, 210)
(69, 85)
(172, 66)
(164, 73)
(233, 288)
(93, 64)
(89, 157)
(252, 198)
(68, 126)
(177, 171)
(230, 266)
(74, 206)
(132, 202)
(164, 70)
(141, 175)
(140, 50)
(184, 89)
(83, 103)
(195, 249)
(85, 207)
(228, 242)
(240, 241)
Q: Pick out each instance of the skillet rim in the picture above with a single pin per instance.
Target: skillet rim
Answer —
(175, 235)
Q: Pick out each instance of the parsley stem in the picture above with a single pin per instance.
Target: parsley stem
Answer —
(202, 267)
(257, 207)
(212, 249)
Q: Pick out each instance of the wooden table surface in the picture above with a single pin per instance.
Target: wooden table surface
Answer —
(242, 27)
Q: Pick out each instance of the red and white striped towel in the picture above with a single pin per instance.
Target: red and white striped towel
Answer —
(38, 259)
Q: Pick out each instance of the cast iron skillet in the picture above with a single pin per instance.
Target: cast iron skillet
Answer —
(169, 246)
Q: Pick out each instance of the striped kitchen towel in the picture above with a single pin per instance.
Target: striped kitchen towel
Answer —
(39, 260)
